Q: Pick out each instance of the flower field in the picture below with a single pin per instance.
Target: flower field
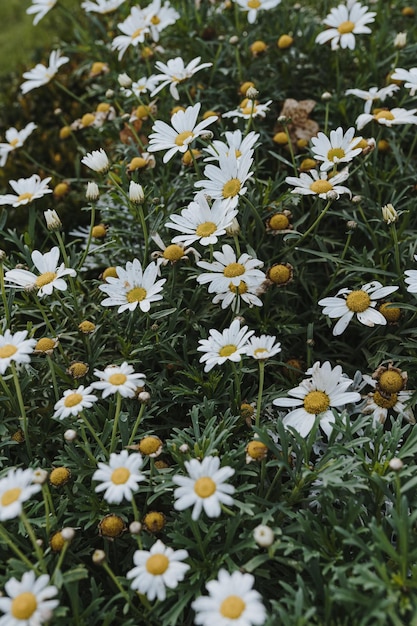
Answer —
(208, 273)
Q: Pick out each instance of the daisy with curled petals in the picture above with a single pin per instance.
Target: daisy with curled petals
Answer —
(379, 403)
(360, 302)
(346, 21)
(97, 160)
(29, 602)
(229, 345)
(16, 487)
(133, 287)
(157, 569)
(74, 401)
(50, 275)
(174, 72)
(200, 222)
(263, 347)
(231, 600)
(15, 348)
(182, 132)
(388, 117)
(409, 76)
(227, 270)
(134, 29)
(39, 8)
(26, 190)
(253, 6)
(340, 148)
(372, 94)
(234, 142)
(14, 139)
(315, 184)
(249, 108)
(315, 397)
(227, 181)
(42, 74)
(118, 379)
(204, 487)
(411, 279)
(120, 477)
(101, 6)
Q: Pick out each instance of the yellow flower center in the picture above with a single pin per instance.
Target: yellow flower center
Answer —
(254, 4)
(78, 369)
(346, 27)
(137, 163)
(99, 231)
(240, 288)
(316, 402)
(279, 221)
(120, 476)
(111, 526)
(204, 487)
(154, 521)
(155, 20)
(279, 274)
(384, 115)
(45, 344)
(10, 496)
(232, 607)
(25, 196)
(149, 445)
(87, 119)
(231, 188)
(227, 350)
(358, 301)
(14, 142)
(23, 606)
(181, 138)
(321, 186)
(7, 351)
(205, 229)
(385, 403)
(391, 381)
(57, 542)
(336, 153)
(234, 269)
(45, 279)
(117, 379)
(260, 351)
(137, 33)
(157, 564)
(72, 399)
(137, 294)
(256, 450)
(173, 253)
(59, 476)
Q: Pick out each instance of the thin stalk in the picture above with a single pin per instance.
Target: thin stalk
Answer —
(237, 385)
(396, 250)
(22, 409)
(291, 149)
(4, 535)
(116, 422)
(60, 560)
(312, 227)
(93, 432)
(3, 296)
(137, 424)
(260, 392)
(90, 236)
(197, 535)
(32, 537)
(53, 376)
(144, 229)
(87, 448)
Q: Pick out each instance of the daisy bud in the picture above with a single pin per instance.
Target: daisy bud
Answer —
(144, 397)
(52, 220)
(396, 464)
(99, 556)
(326, 96)
(207, 135)
(389, 214)
(109, 93)
(331, 195)
(92, 192)
(70, 435)
(400, 40)
(135, 528)
(3, 256)
(263, 535)
(252, 93)
(97, 160)
(68, 533)
(39, 476)
(136, 193)
(234, 228)
(124, 80)
(351, 224)
(357, 199)
(234, 39)
(184, 448)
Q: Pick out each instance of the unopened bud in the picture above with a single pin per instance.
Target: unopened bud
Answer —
(396, 464)
(332, 195)
(136, 193)
(263, 535)
(39, 476)
(144, 397)
(400, 40)
(252, 93)
(68, 533)
(99, 556)
(70, 435)
(389, 214)
(92, 192)
(124, 80)
(109, 93)
(234, 39)
(326, 95)
(184, 448)
(52, 220)
(135, 528)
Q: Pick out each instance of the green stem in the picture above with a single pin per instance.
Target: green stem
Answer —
(137, 424)
(93, 432)
(260, 392)
(197, 535)
(53, 376)
(396, 251)
(144, 230)
(237, 385)
(87, 448)
(291, 149)
(116, 422)
(22, 409)
(60, 560)
(4, 297)
(32, 537)
(68, 92)
(90, 236)
(312, 227)
(4, 535)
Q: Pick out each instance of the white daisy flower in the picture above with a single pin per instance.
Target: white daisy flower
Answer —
(200, 222)
(29, 602)
(97, 160)
(27, 190)
(133, 287)
(50, 275)
(372, 94)
(409, 76)
(101, 6)
(174, 72)
(227, 270)
(139, 87)
(42, 74)
(39, 8)
(378, 403)
(318, 184)
(134, 29)
(229, 345)
(388, 117)
(119, 479)
(226, 182)
(411, 279)
(340, 148)
(15, 348)
(253, 6)
(16, 487)
(74, 401)
(360, 302)
(236, 294)
(235, 142)
(346, 21)
(204, 487)
(14, 139)
(182, 132)
(172, 253)
(119, 379)
(263, 347)
(231, 600)
(159, 17)
(156, 569)
(315, 397)
(249, 108)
